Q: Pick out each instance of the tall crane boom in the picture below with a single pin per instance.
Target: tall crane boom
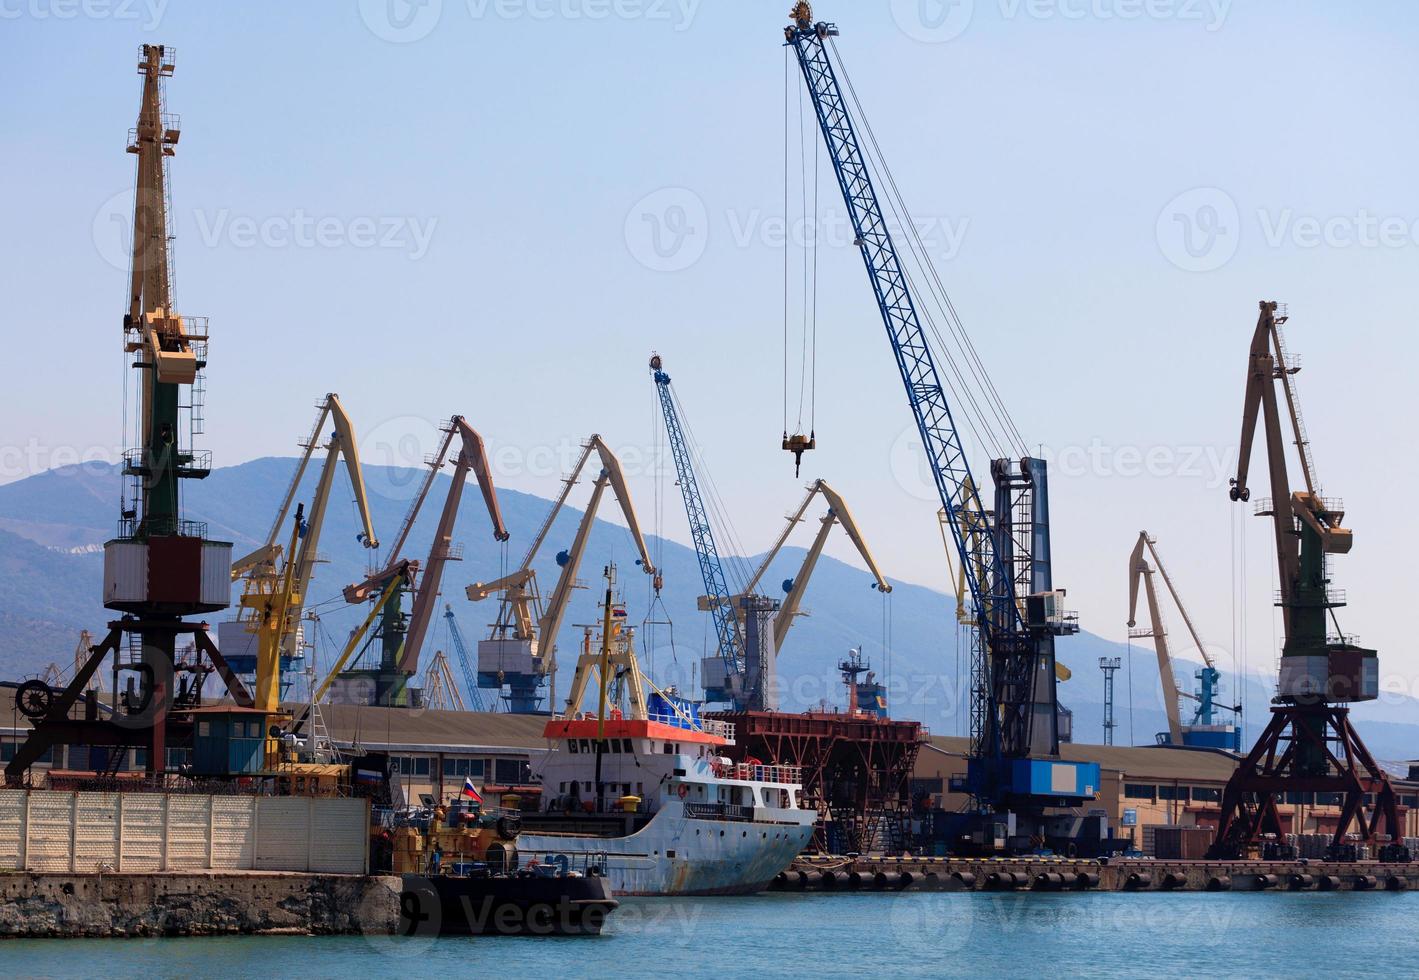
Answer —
(1017, 718)
(717, 598)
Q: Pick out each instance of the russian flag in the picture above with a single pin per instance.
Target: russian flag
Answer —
(470, 792)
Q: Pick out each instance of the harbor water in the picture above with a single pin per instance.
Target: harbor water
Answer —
(910, 934)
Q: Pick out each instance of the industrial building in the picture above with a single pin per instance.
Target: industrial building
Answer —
(433, 752)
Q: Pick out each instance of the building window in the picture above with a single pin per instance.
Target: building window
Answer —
(1206, 794)
(204, 729)
(1140, 791)
(421, 766)
(1170, 793)
(511, 772)
(7, 751)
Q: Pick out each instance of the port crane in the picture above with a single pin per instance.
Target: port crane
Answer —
(167, 352)
(465, 662)
(521, 648)
(402, 634)
(794, 588)
(1014, 772)
(1204, 730)
(259, 569)
(723, 674)
(1309, 745)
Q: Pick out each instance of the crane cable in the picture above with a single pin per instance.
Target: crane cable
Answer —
(1009, 434)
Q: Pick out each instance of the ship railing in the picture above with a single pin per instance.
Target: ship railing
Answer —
(758, 772)
(719, 811)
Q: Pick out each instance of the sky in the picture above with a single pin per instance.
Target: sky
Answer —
(500, 208)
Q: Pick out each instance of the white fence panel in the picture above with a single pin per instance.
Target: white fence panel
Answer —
(189, 832)
(96, 831)
(142, 831)
(12, 829)
(49, 841)
(283, 833)
(47, 830)
(233, 832)
(340, 835)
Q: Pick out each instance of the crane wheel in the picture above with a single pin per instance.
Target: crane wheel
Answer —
(34, 698)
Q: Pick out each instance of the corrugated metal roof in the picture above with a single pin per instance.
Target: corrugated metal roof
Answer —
(425, 727)
(1134, 761)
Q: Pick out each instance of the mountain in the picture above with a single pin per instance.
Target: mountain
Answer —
(53, 525)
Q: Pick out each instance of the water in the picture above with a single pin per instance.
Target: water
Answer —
(916, 934)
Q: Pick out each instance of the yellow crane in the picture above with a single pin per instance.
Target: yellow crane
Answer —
(522, 647)
(794, 588)
(260, 567)
(402, 635)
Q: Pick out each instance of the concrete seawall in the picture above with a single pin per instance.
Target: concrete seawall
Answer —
(195, 904)
(844, 875)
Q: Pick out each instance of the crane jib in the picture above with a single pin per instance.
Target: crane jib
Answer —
(717, 590)
(932, 411)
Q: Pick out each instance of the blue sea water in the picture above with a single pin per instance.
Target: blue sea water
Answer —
(936, 934)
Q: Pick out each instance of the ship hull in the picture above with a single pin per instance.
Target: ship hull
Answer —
(676, 854)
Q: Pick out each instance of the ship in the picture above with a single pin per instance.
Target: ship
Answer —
(641, 785)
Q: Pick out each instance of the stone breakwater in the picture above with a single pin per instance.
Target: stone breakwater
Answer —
(63, 905)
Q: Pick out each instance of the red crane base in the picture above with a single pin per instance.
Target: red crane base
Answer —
(1306, 748)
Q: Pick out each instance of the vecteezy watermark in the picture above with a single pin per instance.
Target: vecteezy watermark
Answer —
(669, 230)
(1208, 464)
(406, 21)
(938, 21)
(148, 13)
(407, 234)
(1199, 230)
(21, 460)
(933, 21)
(398, 451)
(1211, 14)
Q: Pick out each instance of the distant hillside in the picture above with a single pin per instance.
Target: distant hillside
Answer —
(52, 525)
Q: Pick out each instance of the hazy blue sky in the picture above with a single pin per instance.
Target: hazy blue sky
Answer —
(448, 208)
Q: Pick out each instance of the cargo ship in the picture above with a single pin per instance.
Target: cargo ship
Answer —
(647, 791)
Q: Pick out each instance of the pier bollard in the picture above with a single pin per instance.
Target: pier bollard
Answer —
(1086, 879)
(1328, 883)
(1138, 881)
(1049, 881)
(1219, 883)
(1302, 882)
(1364, 883)
(1266, 881)
(1395, 883)
(1174, 880)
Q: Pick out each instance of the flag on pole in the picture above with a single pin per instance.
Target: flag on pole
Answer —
(470, 792)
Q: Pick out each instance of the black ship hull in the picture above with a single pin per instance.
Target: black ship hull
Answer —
(448, 905)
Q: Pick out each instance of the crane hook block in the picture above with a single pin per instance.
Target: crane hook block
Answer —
(798, 444)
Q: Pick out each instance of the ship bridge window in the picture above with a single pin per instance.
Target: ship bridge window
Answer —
(670, 748)
(571, 746)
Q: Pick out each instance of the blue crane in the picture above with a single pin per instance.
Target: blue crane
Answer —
(470, 680)
(724, 683)
(1011, 726)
